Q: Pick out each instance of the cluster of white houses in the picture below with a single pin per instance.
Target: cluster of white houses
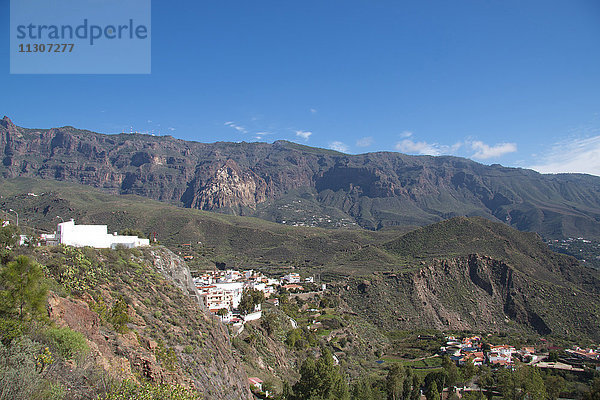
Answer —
(221, 291)
(470, 349)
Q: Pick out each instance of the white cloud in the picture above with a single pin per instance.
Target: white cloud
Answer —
(338, 146)
(313, 110)
(424, 148)
(406, 134)
(303, 134)
(577, 156)
(171, 128)
(238, 128)
(484, 151)
(365, 141)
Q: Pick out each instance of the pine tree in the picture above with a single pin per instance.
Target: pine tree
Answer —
(24, 291)
(394, 382)
(415, 393)
(433, 393)
(320, 379)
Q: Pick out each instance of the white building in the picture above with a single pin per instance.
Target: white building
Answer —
(232, 291)
(97, 236)
(292, 278)
(221, 295)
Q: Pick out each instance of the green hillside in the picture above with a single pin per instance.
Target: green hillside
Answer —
(212, 237)
(424, 278)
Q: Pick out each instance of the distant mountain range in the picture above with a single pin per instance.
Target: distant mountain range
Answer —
(299, 185)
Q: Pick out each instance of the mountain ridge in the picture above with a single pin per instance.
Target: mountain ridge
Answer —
(371, 190)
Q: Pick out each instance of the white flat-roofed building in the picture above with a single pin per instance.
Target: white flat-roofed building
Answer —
(293, 277)
(97, 236)
(232, 292)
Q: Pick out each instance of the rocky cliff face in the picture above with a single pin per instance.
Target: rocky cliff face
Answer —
(172, 267)
(373, 190)
(473, 292)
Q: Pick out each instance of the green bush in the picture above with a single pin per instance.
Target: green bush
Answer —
(75, 270)
(68, 343)
(119, 316)
(10, 329)
(19, 378)
(166, 355)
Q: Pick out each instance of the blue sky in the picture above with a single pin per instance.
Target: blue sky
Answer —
(509, 82)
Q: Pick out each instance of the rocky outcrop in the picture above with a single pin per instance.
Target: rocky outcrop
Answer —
(229, 187)
(374, 190)
(174, 269)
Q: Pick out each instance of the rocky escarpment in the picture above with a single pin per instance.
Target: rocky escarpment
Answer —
(229, 187)
(373, 190)
(174, 269)
(473, 292)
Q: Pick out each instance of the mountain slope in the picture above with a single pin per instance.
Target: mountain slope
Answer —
(470, 273)
(294, 184)
(210, 237)
(463, 273)
(137, 322)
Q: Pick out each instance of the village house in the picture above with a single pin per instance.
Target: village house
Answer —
(470, 349)
(585, 354)
(256, 383)
(501, 355)
(293, 287)
(292, 277)
(69, 234)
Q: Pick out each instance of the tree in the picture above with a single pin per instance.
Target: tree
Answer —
(268, 323)
(485, 380)
(452, 371)
(473, 396)
(8, 239)
(286, 392)
(525, 382)
(554, 385)
(594, 391)
(362, 390)
(394, 382)
(320, 380)
(439, 378)
(467, 371)
(133, 232)
(222, 312)
(119, 315)
(24, 291)
(433, 393)
(8, 235)
(293, 338)
(250, 299)
(507, 384)
(532, 384)
(415, 393)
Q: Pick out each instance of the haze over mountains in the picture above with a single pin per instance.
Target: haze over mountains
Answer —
(294, 184)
